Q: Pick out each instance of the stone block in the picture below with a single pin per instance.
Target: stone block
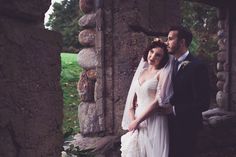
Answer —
(88, 118)
(88, 21)
(91, 74)
(98, 91)
(219, 66)
(86, 6)
(220, 85)
(221, 76)
(226, 67)
(218, 132)
(221, 56)
(100, 146)
(221, 44)
(87, 37)
(221, 99)
(99, 20)
(31, 98)
(85, 88)
(87, 58)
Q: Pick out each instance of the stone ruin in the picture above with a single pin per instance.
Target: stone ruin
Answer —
(31, 106)
(115, 32)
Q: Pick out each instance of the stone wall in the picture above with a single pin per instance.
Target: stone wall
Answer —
(126, 38)
(91, 109)
(223, 60)
(232, 61)
(31, 106)
(218, 136)
(121, 32)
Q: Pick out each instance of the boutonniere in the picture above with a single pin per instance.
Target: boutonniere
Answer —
(184, 64)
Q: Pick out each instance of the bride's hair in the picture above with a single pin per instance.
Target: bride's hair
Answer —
(161, 45)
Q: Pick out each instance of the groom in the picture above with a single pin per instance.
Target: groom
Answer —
(191, 94)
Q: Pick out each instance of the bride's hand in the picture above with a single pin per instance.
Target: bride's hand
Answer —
(133, 125)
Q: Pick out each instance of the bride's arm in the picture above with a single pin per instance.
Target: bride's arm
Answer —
(145, 114)
(132, 108)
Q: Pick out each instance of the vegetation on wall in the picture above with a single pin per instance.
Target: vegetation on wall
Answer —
(202, 20)
(64, 19)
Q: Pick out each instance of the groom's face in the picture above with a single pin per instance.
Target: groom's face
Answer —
(173, 45)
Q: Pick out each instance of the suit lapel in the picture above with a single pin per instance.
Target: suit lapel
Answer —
(188, 58)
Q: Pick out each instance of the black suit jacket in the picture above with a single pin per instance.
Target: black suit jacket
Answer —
(191, 94)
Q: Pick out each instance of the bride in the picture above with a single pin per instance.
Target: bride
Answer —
(150, 88)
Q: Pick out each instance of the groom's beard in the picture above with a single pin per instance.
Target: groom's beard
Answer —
(174, 50)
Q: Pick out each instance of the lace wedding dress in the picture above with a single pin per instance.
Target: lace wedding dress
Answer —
(152, 138)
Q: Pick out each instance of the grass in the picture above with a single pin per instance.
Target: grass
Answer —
(70, 72)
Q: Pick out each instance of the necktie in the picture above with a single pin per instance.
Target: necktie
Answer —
(176, 64)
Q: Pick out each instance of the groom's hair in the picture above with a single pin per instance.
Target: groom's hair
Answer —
(156, 44)
(183, 33)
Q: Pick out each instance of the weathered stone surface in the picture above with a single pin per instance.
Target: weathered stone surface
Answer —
(98, 88)
(226, 67)
(218, 132)
(221, 33)
(221, 76)
(88, 118)
(221, 44)
(221, 99)
(86, 6)
(31, 109)
(92, 74)
(87, 37)
(221, 24)
(220, 85)
(85, 88)
(24, 9)
(221, 56)
(219, 66)
(88, 20)
(126, 30)
(99, 146)
(87, 58)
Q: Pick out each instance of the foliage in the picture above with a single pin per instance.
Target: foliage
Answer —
(202, 21)
(76, 151)
(64, 19)
(70, 72)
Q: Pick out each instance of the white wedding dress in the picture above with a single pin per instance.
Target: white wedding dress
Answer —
(152, 137)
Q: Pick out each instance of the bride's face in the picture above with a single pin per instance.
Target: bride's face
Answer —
(155, 55)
